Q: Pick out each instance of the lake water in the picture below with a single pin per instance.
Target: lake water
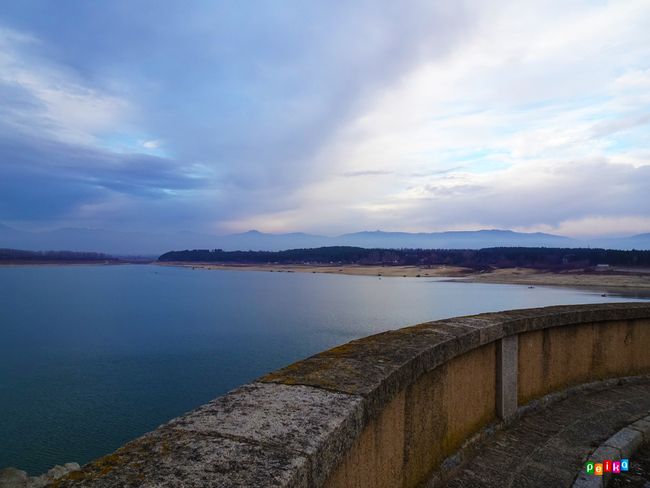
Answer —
(92, 357)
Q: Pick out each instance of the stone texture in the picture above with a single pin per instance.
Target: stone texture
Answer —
(537, 423)
(549, 447)
(13, 478)
(296, 418)
(451, 462)
(443, 409)
(506, 380)
(172, 458)
(519, 441)
(560, 454)
(377, 457)
(553, 358)
(495, 463)
(603, 453)
(378, 367)
(489, 330)
(56, 472)
(588, 481)
(643, 426)
(626, 441)
(38, 482)
(467, 479)
(631, 380)
(491, 429)
(535, 475)
(318, 424)
(530, 407)
(556, 396)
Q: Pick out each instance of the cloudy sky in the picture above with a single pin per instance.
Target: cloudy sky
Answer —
(327, 116)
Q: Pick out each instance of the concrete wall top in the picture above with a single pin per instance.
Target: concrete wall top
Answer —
(292, 427)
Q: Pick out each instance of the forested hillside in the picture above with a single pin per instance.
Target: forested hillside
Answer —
(499, 257)
(16, 255)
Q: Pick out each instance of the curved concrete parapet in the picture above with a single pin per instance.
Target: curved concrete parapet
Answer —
(385, 410)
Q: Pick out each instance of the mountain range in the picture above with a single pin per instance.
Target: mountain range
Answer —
(154, 244)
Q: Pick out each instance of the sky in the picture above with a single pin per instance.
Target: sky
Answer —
(326, 117)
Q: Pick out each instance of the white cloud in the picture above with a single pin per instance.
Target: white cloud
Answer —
(596, 226)
(506, 114)
(635, 79)
(534, 90)
(150, 144)
(56, 104)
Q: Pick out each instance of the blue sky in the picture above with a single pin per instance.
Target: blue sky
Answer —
(326, 117)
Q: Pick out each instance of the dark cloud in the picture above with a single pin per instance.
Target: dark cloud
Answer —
(243, 98)
(250, 93)
(44, 179)
(42, 197)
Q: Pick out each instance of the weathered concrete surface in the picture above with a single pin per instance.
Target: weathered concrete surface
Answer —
(621, 445)
(638, 474)
(388, 407)
(429, 420)
(174, 458)
(643, 426)
(380, 366)
(14, 478)
(256, 435)
(549, 447)
(461, 408)
(555, 358)
(506, 376)
(377, 458)
(625, 441)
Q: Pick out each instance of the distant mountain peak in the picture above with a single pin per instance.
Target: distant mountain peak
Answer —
(144, 243)
(496, 231)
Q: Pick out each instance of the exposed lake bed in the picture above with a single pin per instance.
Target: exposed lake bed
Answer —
(94, 356)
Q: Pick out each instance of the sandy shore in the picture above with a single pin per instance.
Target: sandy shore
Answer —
(350, 269)
(516, 276)
(521, 276)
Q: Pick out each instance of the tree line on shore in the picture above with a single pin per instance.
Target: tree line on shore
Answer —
(483, 259)
(15, 255)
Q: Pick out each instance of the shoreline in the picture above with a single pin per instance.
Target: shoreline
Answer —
(618, 278)
(339, 269)
(529, 277)
(8, 264)
(610, 278)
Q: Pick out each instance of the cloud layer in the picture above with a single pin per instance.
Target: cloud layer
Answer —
(326, 117)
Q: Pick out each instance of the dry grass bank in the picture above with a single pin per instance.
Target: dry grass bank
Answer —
(350, 269)
(522, 276)
(516, 276)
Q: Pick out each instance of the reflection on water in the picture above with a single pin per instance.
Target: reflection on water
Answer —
(92, 357)
(634, 293)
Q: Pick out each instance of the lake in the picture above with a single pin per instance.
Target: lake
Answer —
(92, 357)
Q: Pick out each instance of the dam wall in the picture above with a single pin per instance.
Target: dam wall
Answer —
(389, 410)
